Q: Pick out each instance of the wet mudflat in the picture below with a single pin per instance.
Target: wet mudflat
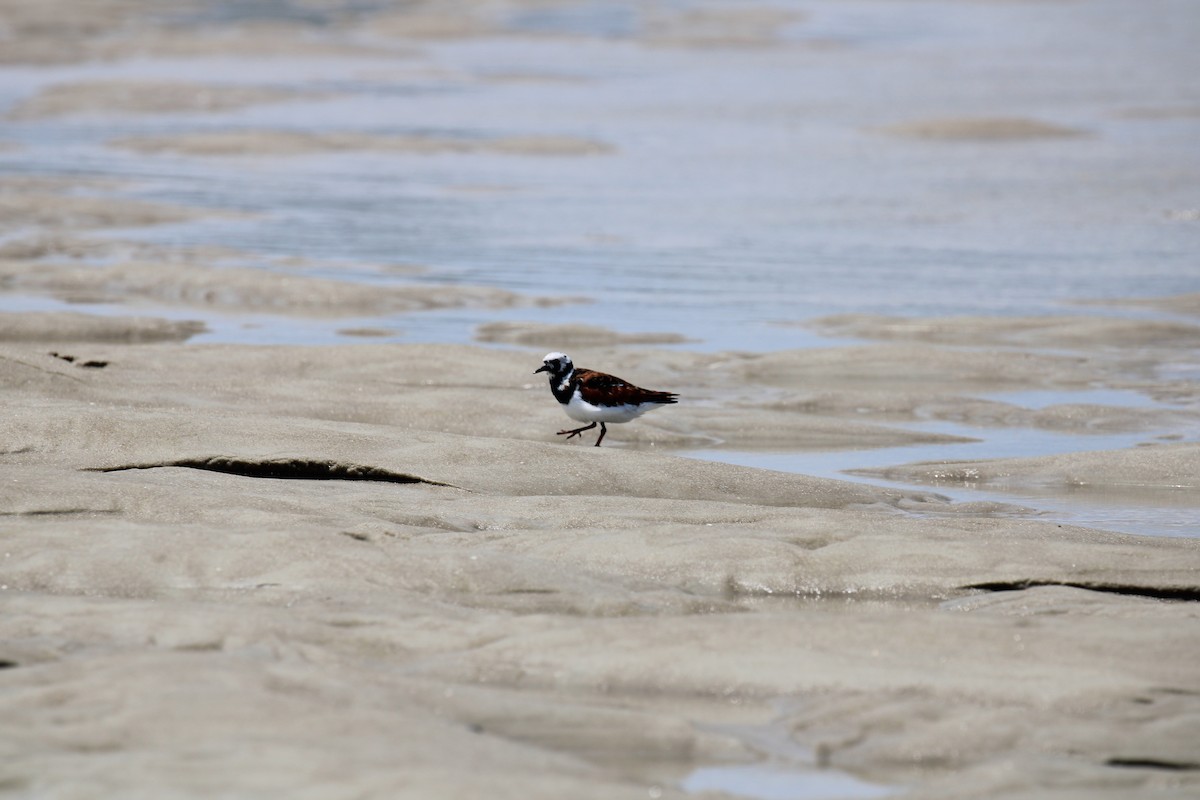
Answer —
(282, 505)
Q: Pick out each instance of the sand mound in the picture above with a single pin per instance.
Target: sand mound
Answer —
(532, 334)
(998, 129)
(1168, 467)
(71, 327)
(294, 143)
(1061, 332)
(242, 289)
(145, 97)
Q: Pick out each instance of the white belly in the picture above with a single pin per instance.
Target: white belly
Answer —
(583, 411)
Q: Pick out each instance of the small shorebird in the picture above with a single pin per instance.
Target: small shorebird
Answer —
(590, 396)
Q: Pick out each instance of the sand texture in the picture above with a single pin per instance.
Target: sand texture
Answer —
(741, 27)
(1045, 332)
(985, 129)
(66, 326)
(187, 285)
(292, 143)
(144, 97)
(1165, 467)
(23, 208)
(363, 563)
(204, 543)
(531, 334)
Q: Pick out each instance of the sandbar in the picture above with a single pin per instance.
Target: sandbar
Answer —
(984, 129)
(531, 334)
(294, 143)
(146, 97)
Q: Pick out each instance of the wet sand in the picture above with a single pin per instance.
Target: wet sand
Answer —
(532, 334)
(289, 143)
(337, 559)
(979, 129)
(373, 569)
(233, 289)
(145, 97)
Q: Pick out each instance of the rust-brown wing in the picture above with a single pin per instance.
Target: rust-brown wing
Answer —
(601, 389)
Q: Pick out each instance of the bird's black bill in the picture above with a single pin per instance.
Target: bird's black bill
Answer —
(542, 368)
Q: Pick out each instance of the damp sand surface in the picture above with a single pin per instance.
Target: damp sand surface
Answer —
(604, 621)
(281, 493)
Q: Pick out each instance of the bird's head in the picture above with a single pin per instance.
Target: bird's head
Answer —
(557, 364)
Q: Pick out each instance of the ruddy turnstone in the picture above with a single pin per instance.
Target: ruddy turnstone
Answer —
(590, 396)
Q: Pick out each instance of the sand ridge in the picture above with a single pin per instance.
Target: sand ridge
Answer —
(293, 143)
(980, 129)
(243, 289)
(146, 97)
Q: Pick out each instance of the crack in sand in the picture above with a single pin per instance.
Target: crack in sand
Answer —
(286, 469)
(1185, 593)
(54, 512)
(42, 369)
(1153, 763)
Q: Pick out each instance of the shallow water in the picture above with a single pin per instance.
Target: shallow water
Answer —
(1139, 509)
(1143, 510)
(777, 782)
(790, 771)
(1044, 398)
(748, 185)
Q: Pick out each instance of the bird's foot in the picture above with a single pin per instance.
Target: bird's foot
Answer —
(573, 432)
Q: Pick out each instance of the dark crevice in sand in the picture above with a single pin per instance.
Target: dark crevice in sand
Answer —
(1153, 763)
(59, 512)
(1187, 593)
(73, 359)
(303, 469)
